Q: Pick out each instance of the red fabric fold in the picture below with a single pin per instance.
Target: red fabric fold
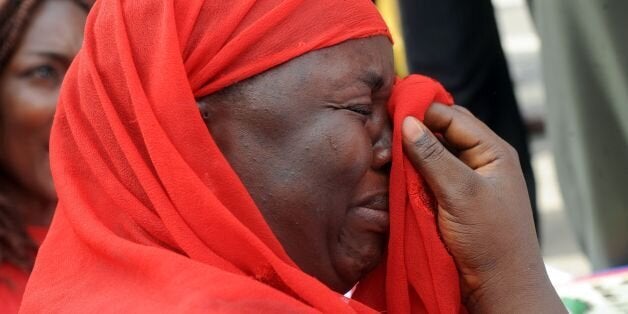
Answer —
(151, 217)
(420, 276)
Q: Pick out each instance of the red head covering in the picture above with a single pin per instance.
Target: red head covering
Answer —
(151, 217)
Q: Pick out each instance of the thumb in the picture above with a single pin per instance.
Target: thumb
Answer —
(446, 175)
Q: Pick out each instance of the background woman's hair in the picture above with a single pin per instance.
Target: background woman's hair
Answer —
(16, 246)
(15, 15)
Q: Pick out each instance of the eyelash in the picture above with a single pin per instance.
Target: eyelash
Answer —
(44, 74)
(364, 110)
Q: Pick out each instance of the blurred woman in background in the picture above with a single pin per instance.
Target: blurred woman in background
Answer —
(39, 40)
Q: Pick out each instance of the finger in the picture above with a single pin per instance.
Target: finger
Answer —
(476, 143)
(443, 172)
(463, 110)
(442, 139)
(461, 130)
(458, 108)
(450, 148)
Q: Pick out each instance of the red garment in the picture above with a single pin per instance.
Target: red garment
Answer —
(13, 279)
(151, 217)
(419, 273)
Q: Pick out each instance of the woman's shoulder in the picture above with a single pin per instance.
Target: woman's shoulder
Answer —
(12, 284)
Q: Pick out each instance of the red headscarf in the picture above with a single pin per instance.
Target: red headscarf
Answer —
(151, 217)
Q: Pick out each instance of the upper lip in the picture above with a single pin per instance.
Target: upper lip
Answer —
(377, 201)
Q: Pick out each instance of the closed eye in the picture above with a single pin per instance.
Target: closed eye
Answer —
(364, 110)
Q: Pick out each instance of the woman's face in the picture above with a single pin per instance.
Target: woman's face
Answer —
(29, 88)
(311, 140)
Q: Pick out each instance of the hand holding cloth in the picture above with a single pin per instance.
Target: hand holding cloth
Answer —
(151, 217)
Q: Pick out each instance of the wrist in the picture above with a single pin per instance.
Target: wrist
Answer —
(515, 289)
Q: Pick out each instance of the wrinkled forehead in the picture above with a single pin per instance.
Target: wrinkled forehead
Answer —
(360, 66)
(353, 64)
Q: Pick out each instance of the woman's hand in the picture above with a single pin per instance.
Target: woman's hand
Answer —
(484, 213)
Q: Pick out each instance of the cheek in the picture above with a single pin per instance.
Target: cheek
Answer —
(348, 154)
(27, 111)
(338, 157)
(321, 166)
(27, 115)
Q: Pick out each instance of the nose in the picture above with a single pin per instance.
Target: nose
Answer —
(382, 150)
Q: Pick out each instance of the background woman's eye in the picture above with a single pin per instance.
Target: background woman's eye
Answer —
(45, 74)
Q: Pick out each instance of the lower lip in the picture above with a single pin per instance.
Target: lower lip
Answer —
(377, 220)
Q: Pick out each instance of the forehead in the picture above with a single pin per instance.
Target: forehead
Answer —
(57, 25)
(368, 60)
(347, 67)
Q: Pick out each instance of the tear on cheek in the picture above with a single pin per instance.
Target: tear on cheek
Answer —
(350, 157)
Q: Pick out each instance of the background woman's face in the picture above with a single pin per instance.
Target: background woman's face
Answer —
(29, 88)
(310, 139)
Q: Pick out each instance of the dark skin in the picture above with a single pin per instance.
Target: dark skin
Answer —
(310, 140)
(29, 88)
(321, 180)
(484, 213)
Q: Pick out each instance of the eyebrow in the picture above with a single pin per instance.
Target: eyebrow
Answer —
(372, 80)
(53, 55)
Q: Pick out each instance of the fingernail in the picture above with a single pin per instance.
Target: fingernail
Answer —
(411, 129)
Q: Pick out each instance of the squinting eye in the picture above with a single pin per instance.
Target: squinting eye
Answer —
(364, 110)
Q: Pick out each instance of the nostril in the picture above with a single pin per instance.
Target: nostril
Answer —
(382, 147)
(386, 168)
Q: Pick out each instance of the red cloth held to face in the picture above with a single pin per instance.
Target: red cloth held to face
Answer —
(151, 217)
(419, 273)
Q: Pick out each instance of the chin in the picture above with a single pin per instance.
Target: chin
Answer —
(355, 264)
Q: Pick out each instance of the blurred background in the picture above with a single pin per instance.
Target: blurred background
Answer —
(551, 78)
(522, 47)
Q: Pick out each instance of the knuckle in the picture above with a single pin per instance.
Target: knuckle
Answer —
(510, 153)
(511, 150)
(463, 110)
(428, 148)
(502, 151)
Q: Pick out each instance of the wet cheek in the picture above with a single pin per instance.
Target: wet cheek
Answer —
(350, 154)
